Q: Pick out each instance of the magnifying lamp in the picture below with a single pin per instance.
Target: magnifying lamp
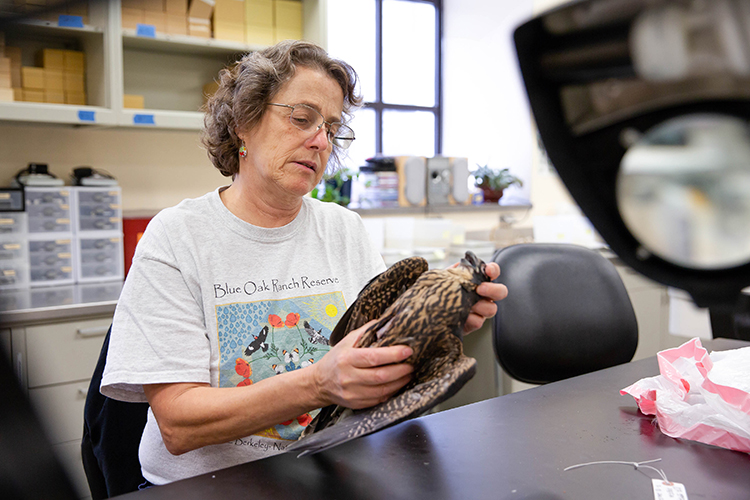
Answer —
(643, 107)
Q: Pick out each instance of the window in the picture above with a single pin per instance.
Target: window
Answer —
(394, 45)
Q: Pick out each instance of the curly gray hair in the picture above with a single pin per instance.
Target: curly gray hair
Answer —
(249, 85)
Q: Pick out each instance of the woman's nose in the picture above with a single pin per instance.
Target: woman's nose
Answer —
(319, 139)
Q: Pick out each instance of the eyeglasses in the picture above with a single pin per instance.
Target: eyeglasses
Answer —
(309, 119)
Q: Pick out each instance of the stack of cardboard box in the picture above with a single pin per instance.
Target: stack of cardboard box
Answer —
(6, 87)
(270, 21)
(166, 16)
(287, 20)
(259, 22)
(229, 20)
(59, 78)
(199, 18)
(255, 22)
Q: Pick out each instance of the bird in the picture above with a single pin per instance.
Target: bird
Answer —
(424, 309)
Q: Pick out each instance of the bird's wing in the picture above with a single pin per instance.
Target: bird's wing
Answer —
(378, 294)
(411, 403)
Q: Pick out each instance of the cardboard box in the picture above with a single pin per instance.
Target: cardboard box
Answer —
(32, 78)
(229, 11)
(153, 5)
(131, 18)
(5, 81)
(73, 82)
(51, 59)
(33, 95)
(5, 64)
(74, 61)
(6, 94)
(54, 96)
(53, 79)
(287, 16)
(231, 32)
(259, 22)
(132, 4)
(209, 89)
(259, 13)
(75, 98)
(133, 101)
(176, 7)
(156, 19)
(17, 94)
(199, 27)
(14, 53)
(177, 24)
(257, 35)
(201, 9)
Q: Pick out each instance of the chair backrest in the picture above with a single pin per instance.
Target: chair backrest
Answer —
(567, 313)
(111, 436)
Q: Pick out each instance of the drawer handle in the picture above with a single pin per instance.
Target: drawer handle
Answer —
(94, 331)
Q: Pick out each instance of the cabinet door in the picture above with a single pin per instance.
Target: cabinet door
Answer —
(5, 344)
(69, 455)
(60, 407)
(64, 352)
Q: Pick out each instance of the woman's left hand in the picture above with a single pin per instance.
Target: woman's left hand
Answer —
(486, 308)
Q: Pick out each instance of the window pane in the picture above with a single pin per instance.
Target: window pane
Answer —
(351, 38)
(408, 53)
(363, 146)
(408, 133)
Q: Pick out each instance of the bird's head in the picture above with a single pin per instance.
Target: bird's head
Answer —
(475, 266)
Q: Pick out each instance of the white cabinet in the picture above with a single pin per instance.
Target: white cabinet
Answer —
(54, 362)
(168, 70)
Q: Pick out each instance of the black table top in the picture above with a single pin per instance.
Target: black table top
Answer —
(511, 447)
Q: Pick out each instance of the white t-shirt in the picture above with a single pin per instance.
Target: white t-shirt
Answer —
(210, 298)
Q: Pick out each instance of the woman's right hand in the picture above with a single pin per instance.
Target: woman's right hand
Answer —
(361, 377)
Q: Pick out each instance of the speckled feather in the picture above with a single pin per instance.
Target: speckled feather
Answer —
(423, 309)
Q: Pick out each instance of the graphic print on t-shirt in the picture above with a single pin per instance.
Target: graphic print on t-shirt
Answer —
(269, 337)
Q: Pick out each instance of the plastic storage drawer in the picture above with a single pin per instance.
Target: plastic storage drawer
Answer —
(48, 210)
(14, 262)
(51, 260)
(99, 257)
(12, 223)
(98, 209)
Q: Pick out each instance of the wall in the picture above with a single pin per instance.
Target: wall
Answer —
(156, 168)
(486, 113)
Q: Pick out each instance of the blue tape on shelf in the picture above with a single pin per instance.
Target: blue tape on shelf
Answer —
(86, 116)
(143, 119)
(70, 21)
(147, 30)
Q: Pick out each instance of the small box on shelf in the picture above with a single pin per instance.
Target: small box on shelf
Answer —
(78, 98)
(32, 78)
(133, 101)
(54, 96)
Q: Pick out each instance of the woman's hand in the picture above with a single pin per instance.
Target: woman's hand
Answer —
(486, 308)
(361, 377)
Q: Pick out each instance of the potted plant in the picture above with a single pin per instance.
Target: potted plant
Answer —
(492, 182)
(336, 187)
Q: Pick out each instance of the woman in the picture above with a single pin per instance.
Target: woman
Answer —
(223, 320)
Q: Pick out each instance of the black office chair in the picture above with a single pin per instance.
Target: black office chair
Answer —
(567, 313)
(111, 436)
